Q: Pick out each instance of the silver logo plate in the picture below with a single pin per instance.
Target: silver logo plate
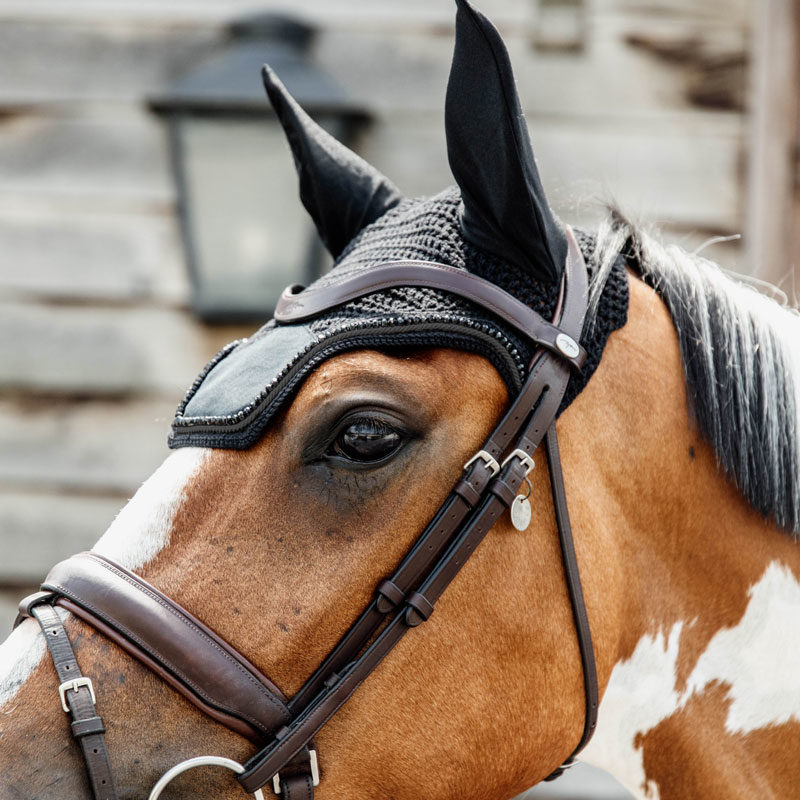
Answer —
(567, 345)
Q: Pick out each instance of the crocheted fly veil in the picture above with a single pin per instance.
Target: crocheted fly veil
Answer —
(496, 223)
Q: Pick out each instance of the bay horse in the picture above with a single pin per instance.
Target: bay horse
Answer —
(274, 524)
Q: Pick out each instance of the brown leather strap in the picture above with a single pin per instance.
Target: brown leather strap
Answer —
(462, 500)
(465, 490)
(260, 768)
(77, 693)
(534, 411)
(419, 559)
(169, 640)
(573, 579)
(297, 304)
(298, 787)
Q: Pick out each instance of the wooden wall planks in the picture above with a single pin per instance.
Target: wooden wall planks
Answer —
(774, 178)
(58, 59)
(78, 349)
(61, 444)
(108, 154)
(43, 528)
(77, 255)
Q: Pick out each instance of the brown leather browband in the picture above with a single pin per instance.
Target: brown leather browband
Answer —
(297, 304)
(225, 685)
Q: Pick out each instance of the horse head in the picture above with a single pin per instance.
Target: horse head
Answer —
(234, 597)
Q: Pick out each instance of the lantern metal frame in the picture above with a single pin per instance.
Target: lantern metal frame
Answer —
(227, 86)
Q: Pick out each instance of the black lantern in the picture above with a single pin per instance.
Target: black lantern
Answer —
(245, 236)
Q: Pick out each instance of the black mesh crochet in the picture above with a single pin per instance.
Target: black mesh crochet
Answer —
(428, 230)
(425, 229)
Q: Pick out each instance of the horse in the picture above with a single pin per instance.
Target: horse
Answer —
(274, 524)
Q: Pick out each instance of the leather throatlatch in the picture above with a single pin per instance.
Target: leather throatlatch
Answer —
(221, 682)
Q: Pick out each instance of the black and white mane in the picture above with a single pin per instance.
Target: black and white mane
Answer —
(741, 356)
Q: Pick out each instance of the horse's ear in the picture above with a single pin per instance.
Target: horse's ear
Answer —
(340, 191)
(504, 207)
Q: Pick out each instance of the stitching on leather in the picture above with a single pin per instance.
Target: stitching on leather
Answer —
(213, 701)
(185, 621)
(525, 313)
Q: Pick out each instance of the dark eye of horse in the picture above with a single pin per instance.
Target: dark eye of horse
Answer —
(367, 440)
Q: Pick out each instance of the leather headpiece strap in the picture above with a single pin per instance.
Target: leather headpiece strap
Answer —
(222, 682)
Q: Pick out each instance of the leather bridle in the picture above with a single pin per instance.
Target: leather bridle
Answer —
(222, 682)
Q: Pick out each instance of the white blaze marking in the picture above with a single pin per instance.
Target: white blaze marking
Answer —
(19, 655)
(757, 662)
(140, 531)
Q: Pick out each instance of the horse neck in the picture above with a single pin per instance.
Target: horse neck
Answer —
(696, 598)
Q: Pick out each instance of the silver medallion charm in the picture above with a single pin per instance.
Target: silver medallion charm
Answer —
(521, 513)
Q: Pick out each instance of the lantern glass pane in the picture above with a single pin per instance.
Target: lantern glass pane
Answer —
(249, 235)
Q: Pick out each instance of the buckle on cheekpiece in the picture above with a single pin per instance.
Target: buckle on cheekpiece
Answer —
(75, 684)
(487, 459)
(526, 460)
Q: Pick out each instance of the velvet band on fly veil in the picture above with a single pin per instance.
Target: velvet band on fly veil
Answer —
(236, 396)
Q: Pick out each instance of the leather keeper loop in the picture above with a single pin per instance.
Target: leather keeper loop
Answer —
(501, 489)
(27, 603)
(467, 493)
(332, 680)
(88, 727)
(389, 596)
(421, 605)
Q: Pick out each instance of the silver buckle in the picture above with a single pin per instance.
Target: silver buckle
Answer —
(526, 460)
(74, 684)
(490, 462)
(312, 757)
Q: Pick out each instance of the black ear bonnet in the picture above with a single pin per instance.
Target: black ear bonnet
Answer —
(236, 396)
(365, 222)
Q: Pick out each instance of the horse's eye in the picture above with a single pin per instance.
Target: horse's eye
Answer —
(367, 440)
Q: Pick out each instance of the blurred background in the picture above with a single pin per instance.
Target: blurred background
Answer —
(149, 212)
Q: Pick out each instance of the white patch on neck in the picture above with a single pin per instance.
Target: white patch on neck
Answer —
(759, 659)
(754, 660)
(142, 529)
(138, 534)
